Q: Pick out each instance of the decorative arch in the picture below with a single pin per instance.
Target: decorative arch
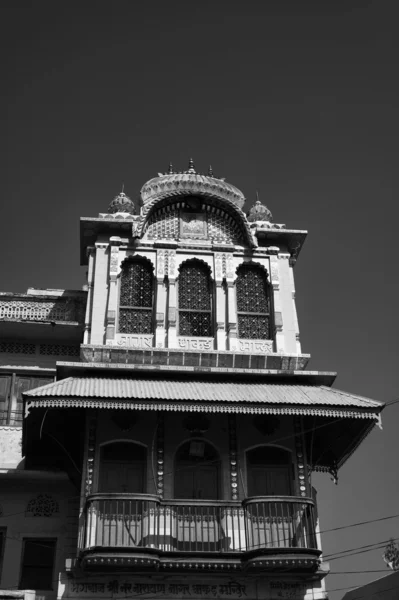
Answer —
(197, 472)
(123, 467)
(195, 299)
(212, 206)
(253, 302)
(136, 296)
(269, 470)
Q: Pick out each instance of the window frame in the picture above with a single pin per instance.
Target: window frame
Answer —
(144, 262)
(206, 268)
(38, 540)
(269, 467)
(101, 488)
(268, 297)
(11, 415)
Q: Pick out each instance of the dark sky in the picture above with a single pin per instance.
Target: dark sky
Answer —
(296, 99)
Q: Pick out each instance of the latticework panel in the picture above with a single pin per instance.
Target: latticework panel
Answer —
(59, 350)
(135, 321)
(195, 323)
(17, 347)
(253, 327)
(136, 285)
(136, 297)
(251, 291)
(194, 289)
(31, 310)
(195, 316)
(164, 226)
(222, 227)
(253, 305)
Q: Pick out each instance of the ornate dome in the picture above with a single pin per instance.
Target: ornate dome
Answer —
(259, 212)
(190, 183)
(122, 203)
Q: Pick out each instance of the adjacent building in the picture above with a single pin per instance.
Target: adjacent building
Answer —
(159, 429)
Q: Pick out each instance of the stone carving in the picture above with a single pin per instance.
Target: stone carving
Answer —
(114, 260)
(91, 449)
(193, 225)
(43, 505)
(161, 263)
(133, 341)
(160, 454)
(300, 461)
(195, 343)
(233, 457)
(251, 346)
(62, 309)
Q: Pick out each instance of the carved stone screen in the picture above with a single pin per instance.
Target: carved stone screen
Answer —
(253, 306)
(136, 297)
(195, 305)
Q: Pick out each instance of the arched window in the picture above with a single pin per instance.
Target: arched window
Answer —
(197, 467)
(123, 468)
(136, 298)
(253, 303)
(269, 471)
(195, 299)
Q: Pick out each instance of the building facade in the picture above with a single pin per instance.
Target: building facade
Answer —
(159, 429)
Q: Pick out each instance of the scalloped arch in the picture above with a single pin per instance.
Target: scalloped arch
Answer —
(195, 260)
(253, 263)
(136, 258)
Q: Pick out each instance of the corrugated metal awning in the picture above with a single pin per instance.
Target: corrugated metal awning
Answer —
(252, 396)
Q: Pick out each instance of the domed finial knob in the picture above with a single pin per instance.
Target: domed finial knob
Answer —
(122, 203)
(191, 168)
(170, 170)
(259, 212)
(210, 171)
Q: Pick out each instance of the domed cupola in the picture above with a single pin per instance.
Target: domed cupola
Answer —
(259, 212)
(122, 204)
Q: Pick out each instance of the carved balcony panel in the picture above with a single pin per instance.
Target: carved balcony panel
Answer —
(144, 528)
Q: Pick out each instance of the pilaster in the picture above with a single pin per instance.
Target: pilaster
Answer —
(161, 300)
(100, 294)
(278, 315)
(113, 287)
(220, 264)
(90, 282)
(170, 269)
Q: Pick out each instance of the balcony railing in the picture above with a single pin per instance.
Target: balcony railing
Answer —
(139, 522)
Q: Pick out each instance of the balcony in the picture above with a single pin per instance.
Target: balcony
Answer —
(144, 531)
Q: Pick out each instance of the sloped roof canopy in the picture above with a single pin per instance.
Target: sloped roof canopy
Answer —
(335, 421)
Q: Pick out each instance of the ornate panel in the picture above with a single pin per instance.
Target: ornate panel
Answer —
(300, 457)
(253, 305)
(253, 327)
(43, 505)
(134, 321)
(233, 457)
(195, 317)
(164, 225)
(136, 297)
(223, 228)
(160, 455)
(17, 348)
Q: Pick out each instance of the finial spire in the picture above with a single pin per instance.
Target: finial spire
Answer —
(210, 171)
(170, 170)
(257, 196)
(123, 188)
(191, 168)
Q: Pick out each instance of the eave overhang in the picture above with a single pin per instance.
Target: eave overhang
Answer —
(335, 422)
(91, 228)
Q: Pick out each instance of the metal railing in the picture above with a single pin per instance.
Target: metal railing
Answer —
(142, 521)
